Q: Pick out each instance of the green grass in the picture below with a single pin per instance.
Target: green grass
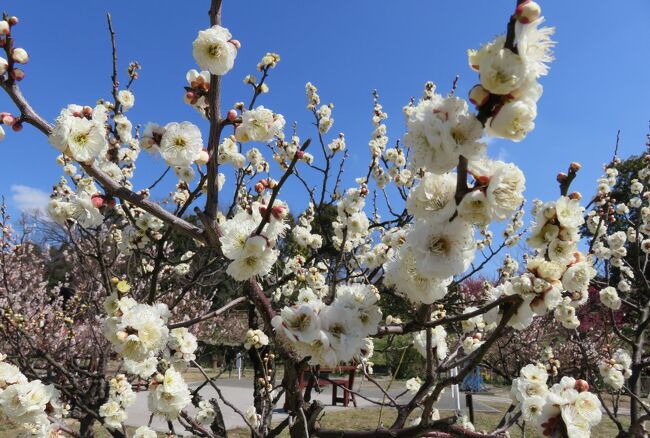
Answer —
(367, 419)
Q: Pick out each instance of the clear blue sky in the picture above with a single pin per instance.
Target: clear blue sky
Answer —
(598, 84)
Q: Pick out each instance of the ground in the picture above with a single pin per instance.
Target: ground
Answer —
(488, 410)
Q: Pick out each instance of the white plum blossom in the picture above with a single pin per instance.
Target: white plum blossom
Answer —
(181, 144)
(215, 50)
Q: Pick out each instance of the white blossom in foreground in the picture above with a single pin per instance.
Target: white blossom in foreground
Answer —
(80, 132)
(168, 394)
(567, 405)
(617, 369)
(260, 124)
(440, 130)
(137, 330)
(181, 144)
(335, 333)
(442, 249)
(215, 50)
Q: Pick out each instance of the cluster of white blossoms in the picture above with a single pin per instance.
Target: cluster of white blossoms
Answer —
(324, 117)
(78, 207)
(567, 405)
(617, 369)
(307, 281)
(558, 277)
(302, 231)
(28, 403)
(228, 153)
(205, 413)
(438, 342)
(144, 432)
(509, 78)
(136, 331)
(215, 50)
(260, 124)
(182, 344)
(351, 224)
(440, 129)
(334, 333)
(255, 339)
(168, 394)
(120, 397)
(253, 253)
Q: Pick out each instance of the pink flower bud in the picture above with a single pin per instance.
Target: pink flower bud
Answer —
(478, 95)
(235, 43)
(20, 55)
(204, 157)
(17, 74)
(528, 12)
(4, 28)
(581, 386)
(232, 115)
(278, 211)
(17, 126)
(13, 20)
(7, 118)
(97, 200)
(190, 97)
(300, 154)
(364, 191)
(259, 187)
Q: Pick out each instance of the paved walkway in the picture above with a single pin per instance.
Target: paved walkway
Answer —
(240, 394)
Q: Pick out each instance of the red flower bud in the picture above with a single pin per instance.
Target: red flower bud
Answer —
(300, 154)
(17, 126)
(17, 74)
(581, 386)
(561, 177)
(259, 187)
(232, 115)
(97, 200)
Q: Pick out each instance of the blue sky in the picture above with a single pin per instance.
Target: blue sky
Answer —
(598, 84)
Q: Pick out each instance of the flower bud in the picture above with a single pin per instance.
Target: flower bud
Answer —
(235, 43)
(17, 74)
(232, 115)
(4, 65)
(575, 195)
(19, 55)
(13, 20)
(17, 126)
(97, 200)
(115, 280)
(204, 157)
(279, 212)
(528, 12)
(4, 28)
(190, 97)
(87, 111)
(581, 386)
(478, 95)
(561, 177)
(575, 166)
(300, 154)
(259, 187)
